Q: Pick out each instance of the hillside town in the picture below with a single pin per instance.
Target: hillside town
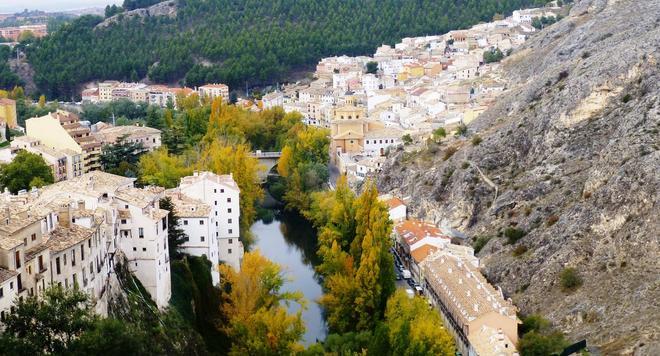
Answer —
(419, 85)
(78, 231)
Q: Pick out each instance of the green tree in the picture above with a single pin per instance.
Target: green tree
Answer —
(407, 139)
(123, 151)
(372, 67)
(175, 234)
(569, 279)
(24, 172)
(493, 55)
(48, 324)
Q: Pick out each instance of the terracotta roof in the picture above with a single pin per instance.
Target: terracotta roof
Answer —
(413, 231)
(394, 202)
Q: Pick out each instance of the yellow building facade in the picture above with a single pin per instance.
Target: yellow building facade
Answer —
(8, 112)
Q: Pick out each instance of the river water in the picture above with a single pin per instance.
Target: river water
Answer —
(290, 241)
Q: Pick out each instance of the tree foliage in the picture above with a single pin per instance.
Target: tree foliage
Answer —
(354, 242)
(26, 171)
(121, 158)
(415, 328)
(162, 169)
(255, 305)
(241, 41)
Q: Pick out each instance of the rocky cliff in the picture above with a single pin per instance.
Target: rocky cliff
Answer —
(569, 157)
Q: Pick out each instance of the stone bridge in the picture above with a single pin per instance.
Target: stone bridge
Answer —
(269, 161)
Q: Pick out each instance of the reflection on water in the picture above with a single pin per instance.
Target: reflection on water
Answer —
(291, 242)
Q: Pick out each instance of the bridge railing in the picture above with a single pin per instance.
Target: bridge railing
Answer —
(260, 154)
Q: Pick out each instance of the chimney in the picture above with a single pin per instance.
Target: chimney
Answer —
(65, 216)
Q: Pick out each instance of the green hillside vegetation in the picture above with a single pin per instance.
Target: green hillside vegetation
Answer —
(238, 41)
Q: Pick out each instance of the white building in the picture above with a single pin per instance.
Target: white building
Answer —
(8, 286)
(273, 99)
(214, 90)
(197, 221)
(221, 193)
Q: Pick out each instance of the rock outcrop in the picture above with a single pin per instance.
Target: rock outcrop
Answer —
(572, 150)
(166, 9)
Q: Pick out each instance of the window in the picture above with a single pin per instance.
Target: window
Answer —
(64, 259)
(202, 238)
(229, 221)
(18, 259)
(164, 223)
(216, 202)
(228, 200)
(82, 252)
(134, 248)
(229, 210)
(34, 237)
(57, 265)
(201, 222)
(222, 190)
(231, 241)
(144, 249)
(41, 263)
(230, 231)
(73, 257)
(229, 251)
(215, 190)
(141, 232)
(123, 221)
(11, 285)
(2, 293)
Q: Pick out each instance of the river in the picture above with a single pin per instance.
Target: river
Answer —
(290, 241)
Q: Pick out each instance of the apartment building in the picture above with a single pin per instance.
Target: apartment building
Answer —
(221, 193)
(143, 239)
(14, 33)
(482, 321)
(197, 221)
(107, 134)
(62, 130)
(65, 163)
(214, 90)
(71, 234)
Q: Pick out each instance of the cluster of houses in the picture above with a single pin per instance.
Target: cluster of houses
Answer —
(159, 95)
(420, 84)
(74, 233)
(72, 147)
(14, 33)
(477, 314)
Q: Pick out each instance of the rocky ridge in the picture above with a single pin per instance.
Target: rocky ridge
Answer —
(166, 8)
(569, 156)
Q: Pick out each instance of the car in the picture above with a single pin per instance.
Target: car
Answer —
(398, 277)
(411, 283)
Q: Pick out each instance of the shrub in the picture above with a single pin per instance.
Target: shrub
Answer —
(479, 243)
(519, 250)
(513, 235)
(626, 98)
(465, 165)
(407, 139)
(476, 139)
(569, 279)
(552, 219)
(449, 152)
(536, 344)
(562, 75)
(461, 130)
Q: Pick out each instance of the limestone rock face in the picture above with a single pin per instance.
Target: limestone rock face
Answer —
(165, 8)
(570, 155)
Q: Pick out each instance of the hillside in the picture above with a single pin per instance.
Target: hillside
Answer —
(573, 149)
(237, 41)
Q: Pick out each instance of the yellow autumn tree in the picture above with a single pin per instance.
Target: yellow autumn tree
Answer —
(162, 169)
(254, 305)
(42, 101)
(222, 157)
(415, 328)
